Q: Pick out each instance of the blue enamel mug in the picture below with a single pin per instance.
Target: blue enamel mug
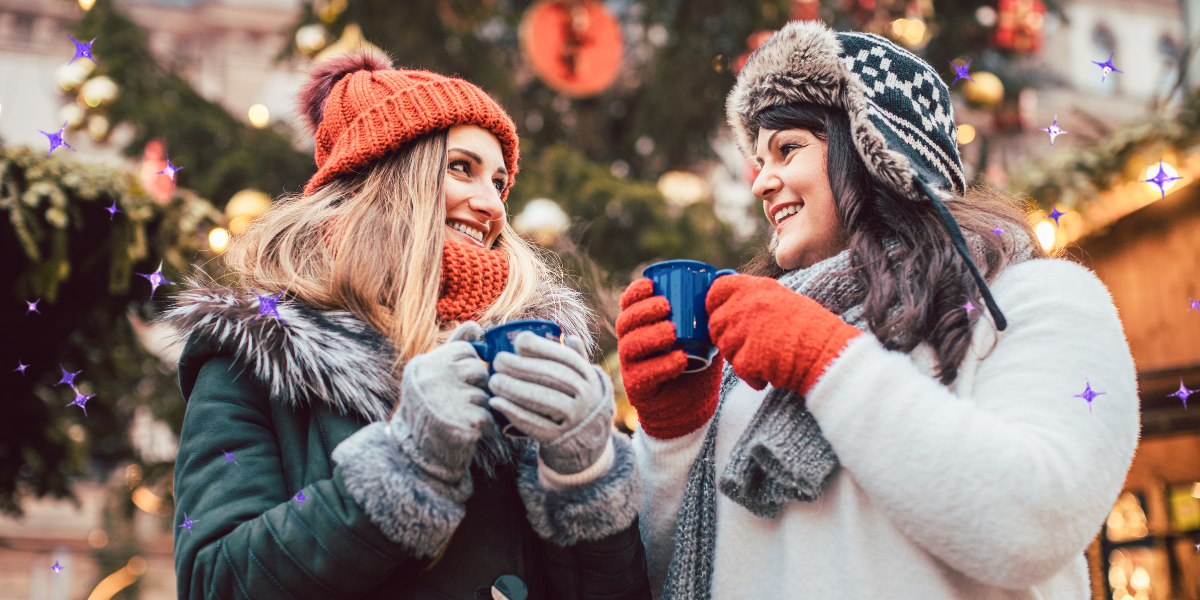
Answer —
(500, 339)
(685, 284)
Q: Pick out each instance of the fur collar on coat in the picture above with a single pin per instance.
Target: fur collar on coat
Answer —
(324, 356)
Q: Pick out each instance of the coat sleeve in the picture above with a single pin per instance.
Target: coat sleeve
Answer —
(594, 549)
(250, 537)
(1009, 479)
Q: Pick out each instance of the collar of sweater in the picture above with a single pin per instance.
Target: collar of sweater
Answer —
(309, 355)
(472, 278)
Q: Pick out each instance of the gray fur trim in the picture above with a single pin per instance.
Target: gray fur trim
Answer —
(587, 513)
(804, 62)
(325, 356)
(411, 508)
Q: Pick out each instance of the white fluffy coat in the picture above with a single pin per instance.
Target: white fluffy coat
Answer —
(990, 488)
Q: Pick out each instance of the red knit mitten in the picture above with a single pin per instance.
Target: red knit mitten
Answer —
(670, 403)
(770, 334)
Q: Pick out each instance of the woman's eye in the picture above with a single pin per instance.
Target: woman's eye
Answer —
(499, 183)
(461, 166)
(787, 149)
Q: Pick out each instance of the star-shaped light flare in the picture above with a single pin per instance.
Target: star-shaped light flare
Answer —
(1160, 180)
(187, 523)
(998, 230)
(300, 498)
(113, 210)
(156, 279)
(1055, 214)
(1183, 393)
(961, 72)
(1106, 67)
(21, 367)
(268, 305)
(67, 376)
(1089, 394)
(171, 170)
(57, 568)
(56, 139)
(970, 307)
(80, 400)
(83, 49)
(33, 306)
(229, 457)
(1195, 304)
(1053, 130)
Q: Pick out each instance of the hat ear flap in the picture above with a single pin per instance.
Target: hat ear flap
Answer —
(325, 74)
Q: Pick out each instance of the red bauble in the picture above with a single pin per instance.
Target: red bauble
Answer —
(575, 46)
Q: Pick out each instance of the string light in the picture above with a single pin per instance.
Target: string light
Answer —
(123, 578)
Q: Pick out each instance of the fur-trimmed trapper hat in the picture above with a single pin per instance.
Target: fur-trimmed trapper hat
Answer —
(900, 114)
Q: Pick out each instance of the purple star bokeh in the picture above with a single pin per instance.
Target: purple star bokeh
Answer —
(1089, 394)
(21, 367)
(300, 498)
(1055, 214)
(171, 170)
(1195, 304)
(997, 230)
(961, 72)
(56, 139)
(970, 307)
(80, 400)
(113, 210)
(187, 523)
(1106, 67)
(156, 279)
(33, 306)
(57, 568)
(68, 377)
(1053, 130)
(229, 457)
(1160, 180)
(268, 305)
(1183, 393)
(83, 49)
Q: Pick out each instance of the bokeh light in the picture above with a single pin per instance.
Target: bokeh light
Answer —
(218, 238)
(1045, 234)
(259, 116)
(966, 134)
(1168, 169)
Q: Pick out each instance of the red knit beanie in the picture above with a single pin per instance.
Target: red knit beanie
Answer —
(361, 109)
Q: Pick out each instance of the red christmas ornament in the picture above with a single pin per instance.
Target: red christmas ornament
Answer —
(1019, 26)
(575, 46)
(755, 40)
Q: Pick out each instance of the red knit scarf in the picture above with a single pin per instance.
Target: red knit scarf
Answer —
(472, 278)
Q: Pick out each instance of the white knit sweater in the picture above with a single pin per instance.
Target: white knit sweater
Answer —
(991, 488)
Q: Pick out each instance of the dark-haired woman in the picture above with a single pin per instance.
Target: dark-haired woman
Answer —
(913, 400)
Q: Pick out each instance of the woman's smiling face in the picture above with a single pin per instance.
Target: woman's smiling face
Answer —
(475, 179)
(793, 183)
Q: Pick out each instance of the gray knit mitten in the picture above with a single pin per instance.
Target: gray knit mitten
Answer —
(551, 392)
(443, 406)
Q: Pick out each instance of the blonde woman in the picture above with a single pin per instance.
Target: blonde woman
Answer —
(338, 441)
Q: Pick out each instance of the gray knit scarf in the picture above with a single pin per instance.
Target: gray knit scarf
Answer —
(781, 456)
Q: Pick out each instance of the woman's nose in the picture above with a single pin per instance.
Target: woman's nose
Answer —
(489, 204)
(766, 184)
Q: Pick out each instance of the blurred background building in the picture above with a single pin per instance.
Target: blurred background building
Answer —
(626, 160)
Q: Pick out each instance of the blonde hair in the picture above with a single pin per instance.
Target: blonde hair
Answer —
(386, 268)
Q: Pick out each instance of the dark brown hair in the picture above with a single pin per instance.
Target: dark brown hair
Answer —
(924, 275)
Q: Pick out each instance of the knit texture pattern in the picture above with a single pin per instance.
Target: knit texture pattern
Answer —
(472, 279)
(371, 113)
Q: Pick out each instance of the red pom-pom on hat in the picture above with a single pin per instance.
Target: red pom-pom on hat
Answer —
(325, 74)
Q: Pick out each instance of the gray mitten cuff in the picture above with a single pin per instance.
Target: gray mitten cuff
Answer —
(411, 508)
(442, 449)
(589, 512)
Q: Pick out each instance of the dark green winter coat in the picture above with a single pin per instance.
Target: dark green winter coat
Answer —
(264, 509)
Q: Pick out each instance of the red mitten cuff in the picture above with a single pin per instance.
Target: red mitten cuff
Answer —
(669, 402)
(770, 334)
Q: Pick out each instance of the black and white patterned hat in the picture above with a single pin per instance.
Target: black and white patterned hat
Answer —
(900, 114)
(899, 108)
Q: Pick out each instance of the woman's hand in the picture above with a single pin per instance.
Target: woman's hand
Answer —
(770, 334)
(553, 394)
(442, 412)
(670, 403)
